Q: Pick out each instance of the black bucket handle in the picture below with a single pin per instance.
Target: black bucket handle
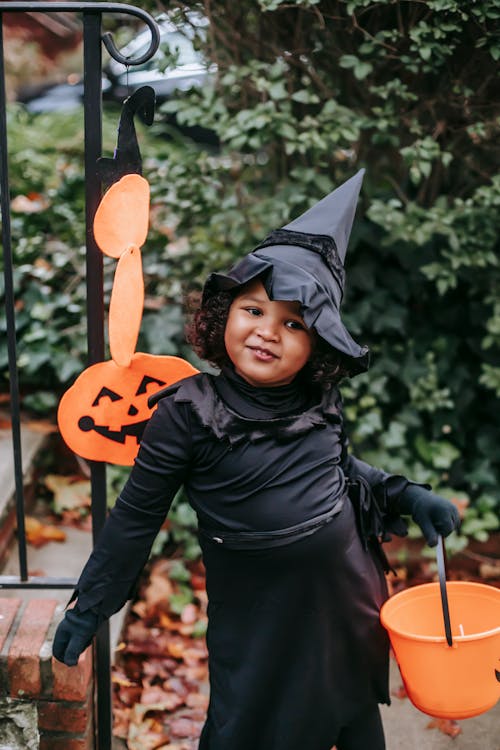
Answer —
(441, 564)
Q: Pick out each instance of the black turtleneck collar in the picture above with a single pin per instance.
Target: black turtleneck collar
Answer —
(256, 402)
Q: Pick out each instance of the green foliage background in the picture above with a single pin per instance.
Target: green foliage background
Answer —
(305, 93)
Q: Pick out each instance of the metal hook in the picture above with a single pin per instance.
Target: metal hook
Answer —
(127, 156)
(107, 40)
(85, 7)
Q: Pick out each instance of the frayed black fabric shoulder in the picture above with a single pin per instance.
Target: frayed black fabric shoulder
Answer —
(213, 413)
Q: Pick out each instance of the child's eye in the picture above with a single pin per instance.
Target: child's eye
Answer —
(253, 310)
(295, 325)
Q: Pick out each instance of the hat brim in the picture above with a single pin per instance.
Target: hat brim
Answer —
(286, 281)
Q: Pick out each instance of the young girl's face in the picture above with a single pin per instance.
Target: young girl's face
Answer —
(267, 341)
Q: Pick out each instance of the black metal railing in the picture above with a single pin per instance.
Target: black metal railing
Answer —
(93, 38)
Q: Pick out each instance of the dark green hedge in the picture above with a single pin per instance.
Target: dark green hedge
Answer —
(306, 93)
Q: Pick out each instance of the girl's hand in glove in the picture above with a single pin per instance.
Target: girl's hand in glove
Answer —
(432, 513)
(74, 633)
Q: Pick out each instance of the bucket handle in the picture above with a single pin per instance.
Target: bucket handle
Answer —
(441, 564)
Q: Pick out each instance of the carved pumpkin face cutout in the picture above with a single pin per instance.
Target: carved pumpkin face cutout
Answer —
(103, 415)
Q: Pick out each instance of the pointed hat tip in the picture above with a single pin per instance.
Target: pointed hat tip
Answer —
(333, 215)
(358, 177)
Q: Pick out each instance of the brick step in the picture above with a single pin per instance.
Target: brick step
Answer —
(44, 705)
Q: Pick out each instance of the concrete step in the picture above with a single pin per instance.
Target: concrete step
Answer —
(31, 443)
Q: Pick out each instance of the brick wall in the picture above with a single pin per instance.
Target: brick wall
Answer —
(31, 678)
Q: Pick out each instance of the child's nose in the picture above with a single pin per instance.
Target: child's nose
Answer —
(268, 330)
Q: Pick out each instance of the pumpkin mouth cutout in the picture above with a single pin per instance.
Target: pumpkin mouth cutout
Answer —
(135, 429)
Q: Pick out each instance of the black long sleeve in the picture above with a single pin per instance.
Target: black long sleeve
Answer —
(354, 467)
(125, 541)
(383, 512)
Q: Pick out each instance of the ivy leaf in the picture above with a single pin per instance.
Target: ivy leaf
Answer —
(304, 96)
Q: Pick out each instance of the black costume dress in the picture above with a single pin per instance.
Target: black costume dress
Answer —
(294, 581)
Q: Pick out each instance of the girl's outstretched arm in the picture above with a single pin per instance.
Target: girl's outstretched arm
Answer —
(124, 544)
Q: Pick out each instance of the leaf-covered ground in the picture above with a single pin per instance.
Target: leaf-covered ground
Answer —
(160, 683)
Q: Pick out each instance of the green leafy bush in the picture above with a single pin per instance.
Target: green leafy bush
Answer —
(309, 92)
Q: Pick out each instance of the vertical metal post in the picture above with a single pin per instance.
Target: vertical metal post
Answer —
(95, 329)
(11, 320)
(92, 12)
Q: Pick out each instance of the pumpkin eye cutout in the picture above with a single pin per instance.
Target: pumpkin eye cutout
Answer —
(106, 392)
(143, 385)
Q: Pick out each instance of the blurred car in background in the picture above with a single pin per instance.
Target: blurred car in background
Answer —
(185, 69)
(189, 69)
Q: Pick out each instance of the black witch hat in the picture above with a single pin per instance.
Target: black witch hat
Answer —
(304, 261)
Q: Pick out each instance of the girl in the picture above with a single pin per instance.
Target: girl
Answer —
(290, 523)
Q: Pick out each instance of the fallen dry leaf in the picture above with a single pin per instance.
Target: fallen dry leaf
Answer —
(446, 726)
(163, 700)
(121, 721)
(197, 700)
(38, 533)
(192, 674)
(184, 727)
(79, 518)
(159, 668)
(118, 678)
(70, 492)
(194, 655)
(176, 646)
(490, 570)
(146, 735)
(157, 592)
(178, 686)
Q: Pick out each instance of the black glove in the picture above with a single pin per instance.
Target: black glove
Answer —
(74, 633)
(432, 513)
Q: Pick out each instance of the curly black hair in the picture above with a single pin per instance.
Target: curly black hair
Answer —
(205, 333)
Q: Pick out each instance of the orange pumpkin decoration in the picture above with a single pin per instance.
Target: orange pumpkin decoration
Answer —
(104, 413)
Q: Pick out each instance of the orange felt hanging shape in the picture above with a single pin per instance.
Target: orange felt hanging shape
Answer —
(122, 216)
(120, 228)
(104, 413)
(127, 295)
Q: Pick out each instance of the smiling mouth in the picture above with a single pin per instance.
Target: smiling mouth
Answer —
(86, 424)
(262, 354)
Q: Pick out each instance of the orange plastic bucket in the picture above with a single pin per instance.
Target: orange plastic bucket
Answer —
(454, 681)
